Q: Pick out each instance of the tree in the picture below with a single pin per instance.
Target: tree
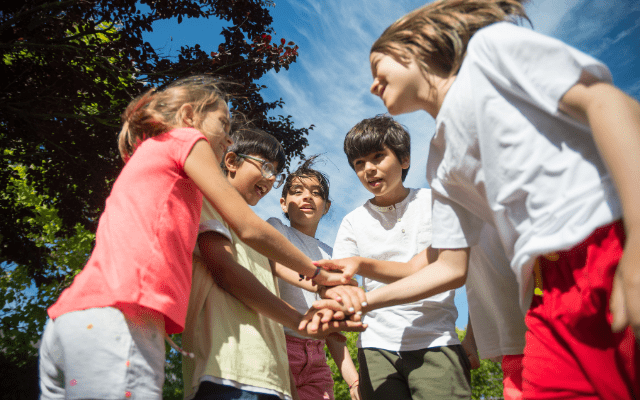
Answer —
(69, 68)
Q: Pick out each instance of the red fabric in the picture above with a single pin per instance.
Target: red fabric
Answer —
(571, 352)
(145, 236)
(311, 373)
(512, 377)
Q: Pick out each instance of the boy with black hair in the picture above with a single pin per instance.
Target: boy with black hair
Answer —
(408, 349)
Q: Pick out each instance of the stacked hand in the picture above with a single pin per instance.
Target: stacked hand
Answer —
(341, 311)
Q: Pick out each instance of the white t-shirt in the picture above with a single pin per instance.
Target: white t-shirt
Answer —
(297, 297)
(397, 233)
(504, 152)
(498, 322)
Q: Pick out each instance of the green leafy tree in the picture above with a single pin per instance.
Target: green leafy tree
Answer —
(69, 68)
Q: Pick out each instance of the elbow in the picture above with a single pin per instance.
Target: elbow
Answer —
(459, 279)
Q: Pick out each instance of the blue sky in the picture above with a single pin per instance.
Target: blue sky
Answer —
(329, 84)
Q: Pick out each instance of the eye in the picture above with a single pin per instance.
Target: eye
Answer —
(316, 193)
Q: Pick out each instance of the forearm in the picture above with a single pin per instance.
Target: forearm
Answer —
(448, 272)
(340, 354)
(391, 271)
(241, 283)
(292, 277)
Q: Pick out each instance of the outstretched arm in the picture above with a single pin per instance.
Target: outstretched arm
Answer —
(202, 168)
(382, 271)
(614, 119)
(448, 272)
(217, 257)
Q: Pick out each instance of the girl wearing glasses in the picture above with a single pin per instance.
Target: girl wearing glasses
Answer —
(234, 315)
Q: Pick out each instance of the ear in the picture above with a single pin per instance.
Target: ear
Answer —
(231, 161)
(283, 205)
(406, 162)
(186, 115)
(327, 206)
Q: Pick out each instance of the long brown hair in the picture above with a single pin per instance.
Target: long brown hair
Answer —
(436, 35)
(155, 112)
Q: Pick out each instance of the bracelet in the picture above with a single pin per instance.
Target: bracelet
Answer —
(355, 383)
(318, 269)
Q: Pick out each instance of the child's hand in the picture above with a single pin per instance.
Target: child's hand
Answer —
(322, 323)
(331, 304)
(354, 391)
(349, 267)
(470, 348)
(352, 298)
(328, 278)
(625, 297)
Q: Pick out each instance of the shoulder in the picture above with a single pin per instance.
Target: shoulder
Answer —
(357, 213)
(422, 194)
(276, 223)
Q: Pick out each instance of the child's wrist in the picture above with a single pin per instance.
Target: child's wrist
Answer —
(312, 277)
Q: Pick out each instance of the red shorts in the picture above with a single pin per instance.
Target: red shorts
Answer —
(308, 363)
(570, 351)
(512, 377)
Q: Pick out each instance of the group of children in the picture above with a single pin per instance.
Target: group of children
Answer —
(532, 169)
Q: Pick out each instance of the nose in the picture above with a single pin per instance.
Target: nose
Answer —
(228, 142)
(369, 167)
(375, 87)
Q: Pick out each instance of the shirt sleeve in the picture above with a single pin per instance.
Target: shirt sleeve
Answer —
(534, 65)
(454, 227)
(345, 244)
(210, 221)
(276, 223)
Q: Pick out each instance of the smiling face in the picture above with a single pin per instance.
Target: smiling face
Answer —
(214, 123)
(305, 205)
(380, 172)
(245, 175)
(405, 87)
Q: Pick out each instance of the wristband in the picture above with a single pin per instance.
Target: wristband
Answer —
(355, 383)
(315, 274)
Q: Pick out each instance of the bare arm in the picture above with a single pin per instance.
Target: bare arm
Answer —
(340, 354)
(614, 119)
(382, 271)
(202, 168)
(448, 272)
(292, 277)
(469, 346)
(217, 257)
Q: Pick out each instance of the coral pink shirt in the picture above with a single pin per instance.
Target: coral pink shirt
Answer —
(145, 236)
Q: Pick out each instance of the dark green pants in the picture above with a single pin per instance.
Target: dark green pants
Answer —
(433, 373)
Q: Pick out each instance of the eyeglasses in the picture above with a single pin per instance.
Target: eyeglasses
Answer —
(268, 170)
